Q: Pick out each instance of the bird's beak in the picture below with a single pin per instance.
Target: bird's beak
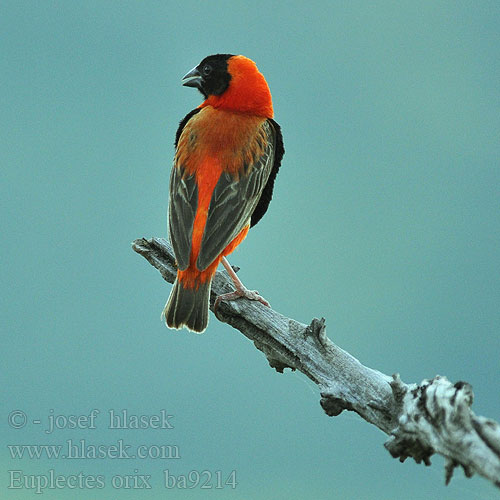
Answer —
(192, 79)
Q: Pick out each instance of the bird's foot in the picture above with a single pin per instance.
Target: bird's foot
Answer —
(241, 291)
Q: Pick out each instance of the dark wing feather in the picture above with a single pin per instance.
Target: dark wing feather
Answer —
(233, 202)
(182, 205)
(182, 124)
(267, 193)
(181, 212)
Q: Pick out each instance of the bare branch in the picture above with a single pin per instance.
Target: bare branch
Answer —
(421, 419)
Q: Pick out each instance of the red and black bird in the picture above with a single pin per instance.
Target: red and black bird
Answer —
(228, 152)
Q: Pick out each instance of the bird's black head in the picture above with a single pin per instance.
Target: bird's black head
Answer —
(211, 76)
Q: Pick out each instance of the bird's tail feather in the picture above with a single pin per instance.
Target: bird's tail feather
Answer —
(188, 307)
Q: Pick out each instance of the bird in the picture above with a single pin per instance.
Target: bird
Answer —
(228, 152)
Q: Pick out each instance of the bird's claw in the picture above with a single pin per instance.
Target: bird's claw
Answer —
(241, 292)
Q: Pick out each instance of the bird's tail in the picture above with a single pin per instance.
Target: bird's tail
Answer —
(188, 307)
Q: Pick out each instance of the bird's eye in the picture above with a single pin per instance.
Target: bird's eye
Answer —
(207, 69)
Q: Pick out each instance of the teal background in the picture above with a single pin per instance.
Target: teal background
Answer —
(385, 221)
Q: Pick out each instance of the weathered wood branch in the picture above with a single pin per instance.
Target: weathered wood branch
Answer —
(434, 416)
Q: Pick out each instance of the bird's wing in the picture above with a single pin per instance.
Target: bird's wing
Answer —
(182, 206)
(234, 200)
(267, 193)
